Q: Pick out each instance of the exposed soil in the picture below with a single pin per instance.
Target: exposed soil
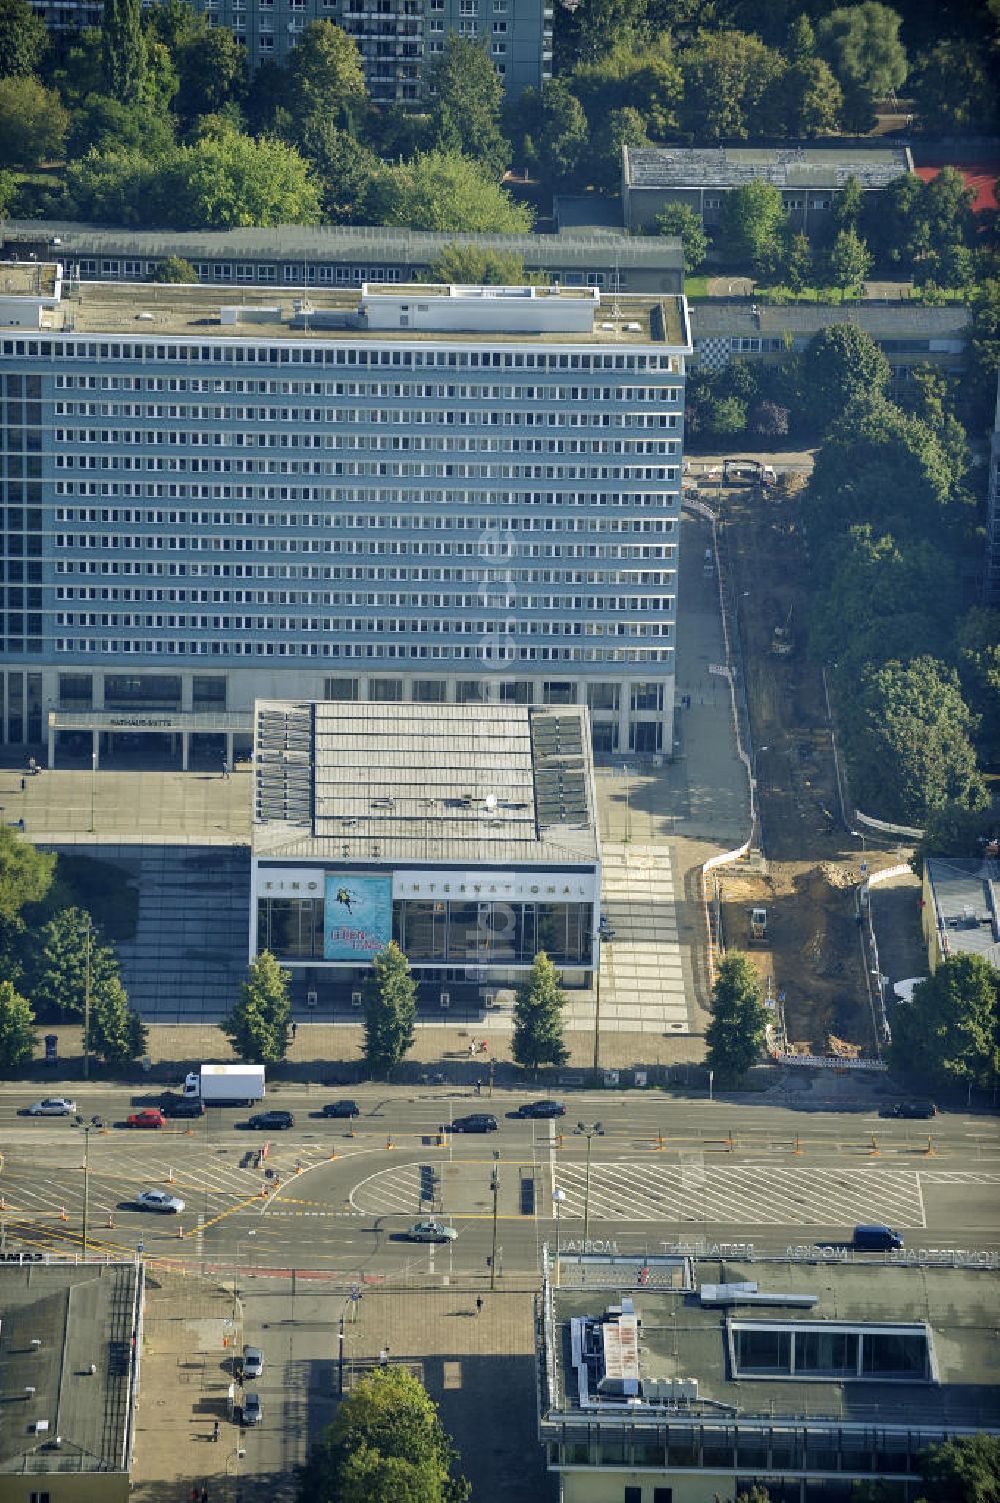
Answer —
(806, 883)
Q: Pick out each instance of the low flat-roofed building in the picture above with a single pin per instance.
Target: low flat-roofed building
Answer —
(290, 256)
(908, 334)
(70, 1345)
(961, 909)
(467, 833)
(809, 177)
(802, 1377)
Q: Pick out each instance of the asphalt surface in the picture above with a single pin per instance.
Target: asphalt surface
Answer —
(335, 1198)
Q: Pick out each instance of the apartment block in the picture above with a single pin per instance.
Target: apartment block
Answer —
(426, 494)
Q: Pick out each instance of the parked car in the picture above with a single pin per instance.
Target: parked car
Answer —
(431, 1231)
(252, 1364)
(149, 1118)
(181, 1106)
(916, 1109)
(252, 1413)
(475, 1122)
(159, 1200)
(272, 1121)
(541, 1109)
(341, 1109)
(53, 1106)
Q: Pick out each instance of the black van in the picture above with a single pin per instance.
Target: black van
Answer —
(877, 1239)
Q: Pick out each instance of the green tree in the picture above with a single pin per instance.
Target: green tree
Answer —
(212, 72)
(25, 873)
(70, 948)
(683, 221)
(908, 742)
(325, 75)
(597, 27)
(735, 1036)
(553, 132)
(24, 39)
(343, 166)
(473, 265)
(953, 91)
(798, 268)
(727, 76)
(114, 187)
(118, 1035)
(977, 641)
(8, 192)
(800, 41)
(810, 99)
(752, 227)
(957, 833)
(467, 97)
(727, 417)
(847, 205)
(841, 362)
(444, 191)
(385, 1445)
(173, 269)
(979, 385)
(949, 1032)
(861, 43)
(123, 50)
(389, 999)
(102, 124)
(850, 261)
(625, 127)
(33, 123)
(17, 1028)
(964, 1470)
(538, 1017)
(258, 1025)
(641, 76)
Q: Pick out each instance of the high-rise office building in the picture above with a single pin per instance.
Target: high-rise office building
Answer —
(396, 38)
(428, 494)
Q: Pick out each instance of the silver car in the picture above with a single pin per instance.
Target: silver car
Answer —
(252, 1413)
(53, 1106)
(253, 1363)
(431, 1231)
(159, 1200)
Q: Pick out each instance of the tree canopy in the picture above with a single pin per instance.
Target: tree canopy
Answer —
(24, 39)
(33, 122)
(124, 50)
(538, 1017)
(467, 98)
(950, 1032)
(443, 190)
(683, 221)
(25, 873)
(325, 76)
(839, 363)
(389, 999)
(752, 227)
(258, 1025)
(727, 77)
(862, 45)
(18, 1035)
(963, 1470)
(385, 1445)
(735, 1035)
(468, 264)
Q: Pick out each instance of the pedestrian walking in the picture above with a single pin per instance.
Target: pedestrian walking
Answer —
(204, 1495)
(472, 1047)
(295, 1029)
(479, 1088)
(479, 1304)
(215, 1431)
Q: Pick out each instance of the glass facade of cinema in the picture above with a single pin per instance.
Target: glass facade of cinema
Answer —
(437, 932)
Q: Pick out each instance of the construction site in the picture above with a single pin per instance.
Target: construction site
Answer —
(790, 904)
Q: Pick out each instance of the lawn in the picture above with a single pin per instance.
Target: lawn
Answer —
(695, 288)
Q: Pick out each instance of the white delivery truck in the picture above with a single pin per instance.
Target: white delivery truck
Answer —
(226, 1085)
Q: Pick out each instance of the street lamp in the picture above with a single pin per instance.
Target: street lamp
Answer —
(558, 1199)
(86, 1188)
(860, 835)
(93, 787)
(590, 1130)
(86, 999)
(236, 1456)
(495, 1187)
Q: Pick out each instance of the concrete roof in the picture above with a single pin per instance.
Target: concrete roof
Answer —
(882, 320)
(580, 249)
(78, 1315)
(481, 785)
(966, 898)
(680, 1338)
(268, 314)
(657, 167)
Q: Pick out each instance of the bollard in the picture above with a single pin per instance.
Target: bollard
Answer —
(171, 1177)
(660, 1142)
(180, 1230)
(930, 1151)
(389, 1143)
(105, 1131)
(797, 1150)
(62, 1214)
(111, 1221)
(262, 1193)
(189, 1131)
(873, 1152)
(333, 1152)
(559, 1140)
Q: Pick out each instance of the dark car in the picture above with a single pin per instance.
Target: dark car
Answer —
(277, 1121)
(915, 1109)
(341, 1109)
(541, 1109)
(181, 1106)
(475, 1122)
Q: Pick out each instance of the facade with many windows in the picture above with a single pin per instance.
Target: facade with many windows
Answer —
(438, 495)
(396, 38)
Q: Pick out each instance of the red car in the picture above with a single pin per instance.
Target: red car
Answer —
(147, 1119)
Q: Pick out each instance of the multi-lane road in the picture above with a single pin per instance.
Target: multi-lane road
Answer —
(337, 1196)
